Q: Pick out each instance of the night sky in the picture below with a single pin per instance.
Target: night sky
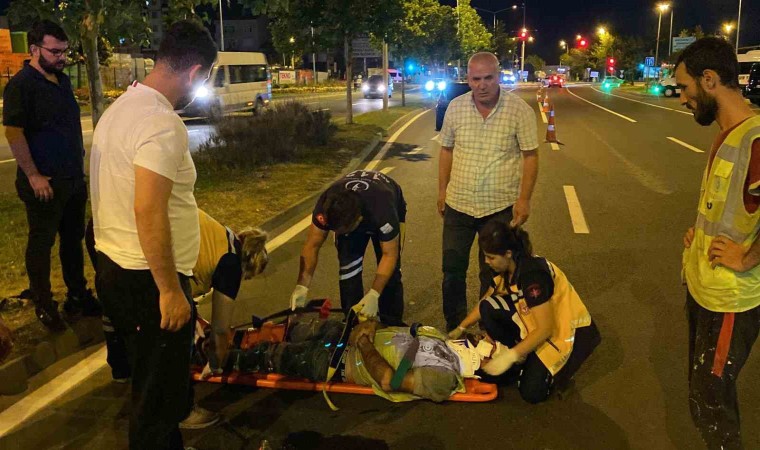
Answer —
(554, 20)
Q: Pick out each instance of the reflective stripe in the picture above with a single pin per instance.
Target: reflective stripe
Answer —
(108, 328)
(503, 302)
(230, 241)
(492, 302)
(714, 229)
(352, 264)
(351, 274)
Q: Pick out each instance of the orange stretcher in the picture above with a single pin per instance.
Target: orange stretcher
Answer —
(476, 391)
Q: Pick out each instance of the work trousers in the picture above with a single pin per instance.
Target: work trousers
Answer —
(719, 345)
(63, 215)
(351, 248)
(159, 359)
(459, 230)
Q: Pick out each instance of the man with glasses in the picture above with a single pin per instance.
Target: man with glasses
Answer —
(42, 125)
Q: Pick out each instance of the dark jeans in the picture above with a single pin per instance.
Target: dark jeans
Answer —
(534, 381)
(62, 215)
(719, 345)
(351, 249)
(159, 359)
(459, 230)
(306, 354)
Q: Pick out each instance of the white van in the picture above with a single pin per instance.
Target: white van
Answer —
(745, 65)
(239, 81)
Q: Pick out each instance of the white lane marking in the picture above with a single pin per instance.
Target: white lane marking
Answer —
(415, 150)
(543, 114)
(381, 154)
(54, 389)
(437, 137)
(643, 103)
(387, 170)
(690, 147)
(555, 146)
(194, 131)
(8, 160)
(27, 407)
(576, 213)
(601, 107)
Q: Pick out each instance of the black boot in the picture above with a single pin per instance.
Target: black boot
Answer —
(85, 304)
(47, 312)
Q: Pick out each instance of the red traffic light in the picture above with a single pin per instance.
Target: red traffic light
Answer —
(611, 61)
(523, 35)
(583, 43)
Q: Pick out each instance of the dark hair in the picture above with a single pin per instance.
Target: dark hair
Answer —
(42, 28)
(185, 45)
(712, 53)
(342, 208)
(497, 238)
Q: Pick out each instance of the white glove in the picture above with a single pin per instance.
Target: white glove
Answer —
(456, 333)
(298, 297)
(208, 372)
(503, 358)
(369, 303)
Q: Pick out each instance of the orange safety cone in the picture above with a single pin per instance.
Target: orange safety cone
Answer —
(546, 104)
(551, 130)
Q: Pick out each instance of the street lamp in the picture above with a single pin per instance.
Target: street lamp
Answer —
(522, 55)
(662, 7)
(727, 28)
(601, 31)
(292, 40)
(494, 13)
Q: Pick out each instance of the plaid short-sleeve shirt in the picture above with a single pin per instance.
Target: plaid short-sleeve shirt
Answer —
(486, 170)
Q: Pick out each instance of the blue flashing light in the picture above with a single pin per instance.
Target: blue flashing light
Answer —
(410, 67)
(641, 66)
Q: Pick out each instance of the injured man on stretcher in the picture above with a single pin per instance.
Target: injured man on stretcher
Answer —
(397, 365)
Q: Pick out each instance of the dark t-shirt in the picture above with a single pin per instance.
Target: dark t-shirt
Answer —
(534, 279)
(49, 115)
(228, 273)
(383, 205)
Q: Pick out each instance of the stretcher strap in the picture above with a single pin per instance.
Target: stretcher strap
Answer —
(405, 364)
(724, 345)
(338, 353)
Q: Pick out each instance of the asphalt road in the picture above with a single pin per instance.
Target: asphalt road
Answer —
(637, 190)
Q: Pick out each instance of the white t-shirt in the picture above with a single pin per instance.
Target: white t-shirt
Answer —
(141, 128)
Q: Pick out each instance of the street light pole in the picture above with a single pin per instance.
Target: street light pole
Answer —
(313, 58)
(522, 52)
(670, 37)
(657, 46)
(738, 25)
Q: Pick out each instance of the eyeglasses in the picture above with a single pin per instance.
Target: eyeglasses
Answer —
(56, 52)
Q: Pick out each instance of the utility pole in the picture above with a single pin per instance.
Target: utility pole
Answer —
(385, 75)
(522, 52)
(738, 25)
(670, 38)
(313, 58)
(459, 60)
(221, 28)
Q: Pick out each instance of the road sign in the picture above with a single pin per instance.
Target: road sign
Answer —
(594, 74)
(680, 43)
(649, 61)
(362, 48)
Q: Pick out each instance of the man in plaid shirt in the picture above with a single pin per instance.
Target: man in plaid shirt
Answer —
(487, 170)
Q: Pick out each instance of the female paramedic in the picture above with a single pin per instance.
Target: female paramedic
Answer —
(531, 314)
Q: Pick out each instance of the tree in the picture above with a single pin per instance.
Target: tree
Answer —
(424, 32)
(286, 40)
(86, 22)
(473, 34)
(503, 45)
(340, 20)
(536, 61)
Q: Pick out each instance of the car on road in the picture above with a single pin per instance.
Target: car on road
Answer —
(375, 88)
(752, 90)
(508, 78)
(435, 86)
(668, 87)
(610, 82)
(449, 93)
(555, 80)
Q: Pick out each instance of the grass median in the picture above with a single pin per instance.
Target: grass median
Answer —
(236, 197)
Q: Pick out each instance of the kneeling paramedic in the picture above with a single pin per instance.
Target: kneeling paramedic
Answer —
(361, 206)
(532, 314)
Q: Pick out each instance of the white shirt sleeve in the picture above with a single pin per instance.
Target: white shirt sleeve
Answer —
(161, 144)
(447, 130)
(527, 128)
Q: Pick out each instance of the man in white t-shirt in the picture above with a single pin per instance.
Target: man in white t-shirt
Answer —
(146, 231)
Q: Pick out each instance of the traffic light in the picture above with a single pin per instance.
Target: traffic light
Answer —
(611, 65)
(582, 43)
(524, 35)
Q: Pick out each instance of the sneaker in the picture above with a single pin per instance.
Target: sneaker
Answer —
(49, 317)
(199, 418)
(85, 304)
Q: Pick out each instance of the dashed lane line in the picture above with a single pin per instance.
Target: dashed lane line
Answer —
(387, 170)
(576, 213)
(381, 154)
(601, 107)
(643, 103)
(555, 146)
(689, 146)
(543, 114)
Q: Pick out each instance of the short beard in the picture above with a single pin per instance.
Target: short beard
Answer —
(51, 67)
(707, 108)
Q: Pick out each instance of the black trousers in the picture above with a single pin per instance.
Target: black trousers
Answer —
(63, 215)
(459, 230)
(719, 345)
(351, 249)
(159, 359)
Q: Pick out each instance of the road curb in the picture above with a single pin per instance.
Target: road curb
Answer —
(15, 374)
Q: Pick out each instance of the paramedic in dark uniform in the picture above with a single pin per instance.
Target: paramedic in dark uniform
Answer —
(361, 206)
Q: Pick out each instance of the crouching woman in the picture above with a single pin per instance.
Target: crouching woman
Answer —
(531, 314)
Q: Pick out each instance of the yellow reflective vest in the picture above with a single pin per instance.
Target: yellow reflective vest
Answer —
(216, 240)
(721, 212)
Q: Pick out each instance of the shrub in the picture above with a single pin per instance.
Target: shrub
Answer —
(280, 133)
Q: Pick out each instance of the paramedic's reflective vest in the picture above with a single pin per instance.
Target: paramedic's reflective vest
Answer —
(569, 313)
(721, 212)
(216, 240)
(393, 355)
